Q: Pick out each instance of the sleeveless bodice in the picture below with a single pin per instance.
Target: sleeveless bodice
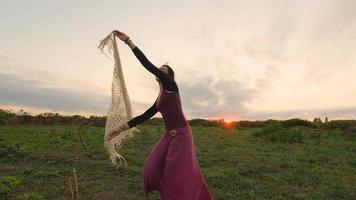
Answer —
(170, 106)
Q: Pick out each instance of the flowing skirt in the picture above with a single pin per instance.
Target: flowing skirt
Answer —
(172, 168)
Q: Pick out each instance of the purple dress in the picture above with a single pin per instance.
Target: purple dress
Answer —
(172, 166)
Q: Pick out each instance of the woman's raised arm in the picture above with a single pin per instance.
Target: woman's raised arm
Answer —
(149, 66)
(164, 77)
(168, 82)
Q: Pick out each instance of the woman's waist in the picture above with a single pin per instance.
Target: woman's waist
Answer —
(173, 131)
(177, 126)
(174, 122)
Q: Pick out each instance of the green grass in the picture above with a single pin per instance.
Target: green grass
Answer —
(37, 161)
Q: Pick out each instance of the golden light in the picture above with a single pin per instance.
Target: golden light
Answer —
(227, 121)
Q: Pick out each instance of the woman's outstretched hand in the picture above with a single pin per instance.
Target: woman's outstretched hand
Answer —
(120, 35)
(124, 38)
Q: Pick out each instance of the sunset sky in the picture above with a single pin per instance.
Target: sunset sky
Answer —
(232, 59)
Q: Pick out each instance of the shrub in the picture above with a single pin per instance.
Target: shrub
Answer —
(268, 130)
(340, 124)
(31, 196)
(8, 184)
(277, 133)
(8, 151)
(288, 136)
(296, 122)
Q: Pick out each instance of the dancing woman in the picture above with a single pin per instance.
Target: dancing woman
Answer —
(172, 167)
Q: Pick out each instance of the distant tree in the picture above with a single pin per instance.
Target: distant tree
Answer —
(315, 120)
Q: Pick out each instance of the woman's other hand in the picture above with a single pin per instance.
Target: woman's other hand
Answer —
(120, 35)
(112, 135)
(117, 132)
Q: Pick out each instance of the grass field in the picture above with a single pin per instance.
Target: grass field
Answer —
(36, 162)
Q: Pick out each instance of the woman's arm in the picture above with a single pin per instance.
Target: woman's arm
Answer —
(168, 82)
(140, 56)
(143, 117)
(131, 44)
(135, 121)
(145, 62)
(149, 66)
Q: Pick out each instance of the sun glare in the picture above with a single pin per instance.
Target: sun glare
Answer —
(228, 123)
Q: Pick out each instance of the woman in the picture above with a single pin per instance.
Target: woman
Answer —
(172, 167)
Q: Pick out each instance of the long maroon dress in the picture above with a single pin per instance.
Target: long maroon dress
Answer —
(172, 166)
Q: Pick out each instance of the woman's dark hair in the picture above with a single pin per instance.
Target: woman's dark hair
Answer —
(170, 71)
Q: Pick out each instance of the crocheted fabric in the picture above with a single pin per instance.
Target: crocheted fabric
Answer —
(120, 110)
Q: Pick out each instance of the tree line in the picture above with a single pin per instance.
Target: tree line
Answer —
(8, 117)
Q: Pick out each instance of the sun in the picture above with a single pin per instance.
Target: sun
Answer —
(228, 123)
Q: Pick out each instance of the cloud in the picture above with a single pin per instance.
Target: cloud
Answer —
(270, 73)
(212, 96)
(42, 91)
(272, 55)
(35, 93)
(331, 113)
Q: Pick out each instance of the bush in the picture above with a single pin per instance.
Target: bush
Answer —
(340, 124)
(31, 196)
(296, 122)
(8, 184)
(268, 130)
(277, 133)
(8, 151)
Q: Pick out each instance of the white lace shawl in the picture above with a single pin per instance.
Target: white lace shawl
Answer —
(120, 107)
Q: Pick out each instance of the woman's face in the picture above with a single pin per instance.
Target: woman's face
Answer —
(164, 69)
